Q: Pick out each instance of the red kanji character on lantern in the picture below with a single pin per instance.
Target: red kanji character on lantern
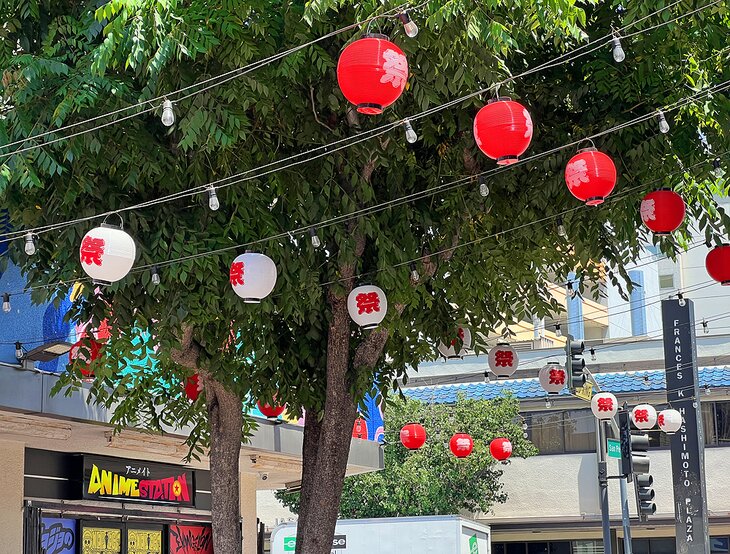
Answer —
(605, 404)
(557, 377)
(641, 416)
(503, 358)
(660, 420)
(367, 302)
(92, 249)
(236, 275)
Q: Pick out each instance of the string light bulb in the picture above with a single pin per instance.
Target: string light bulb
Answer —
(717, 169)
(155, 275)
(548, 403)
(414, 272)
(663, 125)
(483, 188)
(411, 135)
(486, 376)
(19, 350)
(705, 327)
(29, 244)
(213, 202)
(409, 25)
(316, 242)
(558, 330)
(571, 291)
(682, 301)
(708, 390)
(593, 354)
(6, 302)
(618, 52)
(168, 114)
(561, 228)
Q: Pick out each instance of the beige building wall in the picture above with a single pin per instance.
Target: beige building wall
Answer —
(12, 462)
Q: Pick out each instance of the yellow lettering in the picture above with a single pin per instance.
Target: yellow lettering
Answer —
(106, 482)
(94, 481)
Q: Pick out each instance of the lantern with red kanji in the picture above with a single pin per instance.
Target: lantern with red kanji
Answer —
(590, 176)
(461, 445)
(503, 130)
(413, 436)
(86, 351)
(670, 421)
(503, 360)
(552, 378)
(269, 411)
(253, 276)
(367, 306)
(662, 211)
(644, 416)
(500, 449)
(107, 254)
(458, 347)
(717, 264)
(360, 428)
(604, 405)
(372, 73)
(193, 387)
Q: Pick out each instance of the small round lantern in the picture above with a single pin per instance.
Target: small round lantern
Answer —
(461, 445)
(662, 211)
(644, 416)
(107, 254)
(269, 411)
(590, 176)
(503, 360)
(500, 449)
(86, 350)
(193, 387)
(670, 421)
(372, 73)
(253, 276)
(717, 264)
(503, 130)
(552, 378)
(360, 428)
(367, 306)
(413, 436)
(604, 405)
(458, 346)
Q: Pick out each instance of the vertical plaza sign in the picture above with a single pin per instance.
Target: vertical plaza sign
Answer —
(688, 445)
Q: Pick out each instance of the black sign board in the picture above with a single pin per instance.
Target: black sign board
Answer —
(688, 445)
(137, 481)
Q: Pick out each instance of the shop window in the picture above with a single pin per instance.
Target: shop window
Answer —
(640, 546)
(588, 547)
(514, 548)
(547, 432)
(719, 545)
(560, 548)
(580, 431)
(537, 548)
(722, 414)
(708, 422)
(498, 548)
(662, 546)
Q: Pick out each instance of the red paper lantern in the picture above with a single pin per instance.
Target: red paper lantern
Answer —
(501, 449)
(717, 263)
(461, 445)
(503, 130)
(662, 211)
(413, 436)
(86, 350)
(192, 387)
(372, 73)
(360, 428)
(271, 412)
(590, 176)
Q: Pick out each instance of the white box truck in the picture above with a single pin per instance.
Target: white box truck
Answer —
(397, 535)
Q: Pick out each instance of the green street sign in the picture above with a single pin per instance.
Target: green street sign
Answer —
(613, 447)
(290, 544)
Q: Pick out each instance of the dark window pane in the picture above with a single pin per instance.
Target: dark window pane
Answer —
(559, 548)
(719, 545)
(708, 422)
(498, 548)
(662, 546)
(640, 546)
(537, 548)
(515, 548)
(723, 422)
(547, 432)
(580, 431)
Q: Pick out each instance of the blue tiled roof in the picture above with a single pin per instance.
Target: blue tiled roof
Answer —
(617, 383)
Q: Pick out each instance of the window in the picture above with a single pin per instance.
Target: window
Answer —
(722, 414)
(580, 431)
(708, 422)
(537, 548)
(666, 281)
(588, 547)
(547, 432)
(719, 545)
(531, 548)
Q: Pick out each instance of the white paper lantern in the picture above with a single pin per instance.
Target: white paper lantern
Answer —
(367, 306)
(463, 336)
(107, 254)
(503, 360)
(670, 421)
(604, 405)
(253, 276)
(552, 378)
(644, 416)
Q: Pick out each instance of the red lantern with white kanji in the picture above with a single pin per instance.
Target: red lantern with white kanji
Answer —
(503, 130)
(670, 421)
(107, 254)
(253, 276)
(360, 428)
(590, 176)
(269, 411)
(717, 264)
(372, 73)
(644, 416)
(503, 360)
(552, 378)
(193, 387)
(604, 405)
(500, 449)
(662, 211)
(413, 436)
(85, 351)
(461, 445)
(458, 347)
(367, 306)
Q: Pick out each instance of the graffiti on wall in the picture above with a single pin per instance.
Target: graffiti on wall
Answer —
(190, 539)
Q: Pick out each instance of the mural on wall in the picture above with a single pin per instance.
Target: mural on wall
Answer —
(58, 536)
(101, 540)
(190, 539)
(144, 541)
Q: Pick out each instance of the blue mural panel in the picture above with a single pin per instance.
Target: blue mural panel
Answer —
(58, 536)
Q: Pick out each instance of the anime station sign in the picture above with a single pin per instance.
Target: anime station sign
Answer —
(688, 445)
(190, 539)
(128, 480)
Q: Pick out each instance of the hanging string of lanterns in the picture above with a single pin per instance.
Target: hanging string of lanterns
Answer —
(461, 445)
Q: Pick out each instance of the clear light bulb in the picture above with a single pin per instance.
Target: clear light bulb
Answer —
(414, 272)
(593, 354)
(486, 377)
(548, 403)
(708, 390)
(155, 276)
(717, 169)
(168, 114)
(29, 244)
(409, 25)
(18, 351)
(705, 327)
(411, 135)
(213, 202)
(561, 228)
(483, 189)
(618, 52)
(663, 125)
(316, 242)
(558, 331)
(682, 301)
(6, 303)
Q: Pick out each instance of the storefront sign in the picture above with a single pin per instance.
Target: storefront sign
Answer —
(116, 479)
(144, 541)
(688, 445)
(190, 539)
(101, 540)
(339, 542)
(58, 536)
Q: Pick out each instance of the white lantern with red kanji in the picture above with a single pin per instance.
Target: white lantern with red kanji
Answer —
(670, 421)
(604, 405)
(367, 306)
(458, 347)
(552, 378)
(644, 416)
(107, 254)
(503, 360)
(253, 276)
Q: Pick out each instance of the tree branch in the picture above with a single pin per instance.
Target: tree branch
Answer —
(314, 111)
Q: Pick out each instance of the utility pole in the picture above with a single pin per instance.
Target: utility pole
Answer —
(603, 485)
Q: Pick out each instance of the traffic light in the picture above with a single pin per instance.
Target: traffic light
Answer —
(634, 456)
(574, 362)
(645, 495)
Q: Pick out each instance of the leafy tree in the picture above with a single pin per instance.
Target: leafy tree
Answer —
(65, 61)
(432, 481)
